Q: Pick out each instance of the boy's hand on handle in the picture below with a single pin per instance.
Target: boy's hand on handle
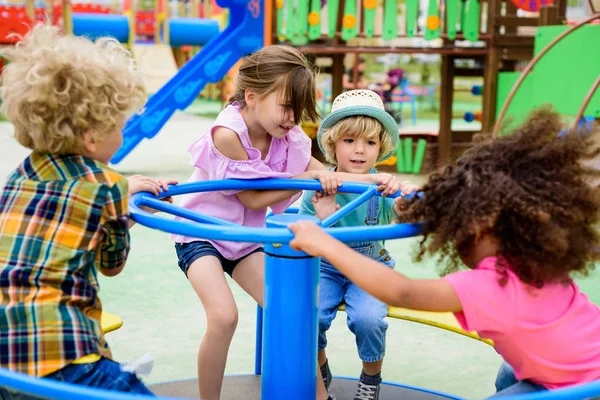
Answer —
(140, 183)
(330, 181)
(309, 238)
(324, 204)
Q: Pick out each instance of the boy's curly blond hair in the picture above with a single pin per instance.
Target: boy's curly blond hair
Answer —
(56, 88)
(354, 127)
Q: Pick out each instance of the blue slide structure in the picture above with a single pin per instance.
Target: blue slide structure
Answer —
(243, 36)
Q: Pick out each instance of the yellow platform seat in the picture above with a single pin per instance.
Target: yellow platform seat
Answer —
(442, 320)
(110, 322)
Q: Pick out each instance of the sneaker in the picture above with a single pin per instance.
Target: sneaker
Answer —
(327, 377)
(368, 387)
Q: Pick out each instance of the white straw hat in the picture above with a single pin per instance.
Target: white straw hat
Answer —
(360, 102)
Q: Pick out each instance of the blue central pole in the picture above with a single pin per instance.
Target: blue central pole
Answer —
(290, 319)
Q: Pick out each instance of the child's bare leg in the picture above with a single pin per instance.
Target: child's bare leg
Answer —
(250, 275)
(372, 368)
(322, 358)
(321, 390)
(206, 276)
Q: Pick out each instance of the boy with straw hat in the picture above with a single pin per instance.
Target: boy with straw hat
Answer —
(357, 135)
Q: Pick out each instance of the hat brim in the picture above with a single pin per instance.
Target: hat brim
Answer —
(388, 122)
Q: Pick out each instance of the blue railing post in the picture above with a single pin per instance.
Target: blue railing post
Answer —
(259, 335)
(290, 319)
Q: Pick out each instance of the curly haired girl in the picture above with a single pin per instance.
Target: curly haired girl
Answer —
(519, 212)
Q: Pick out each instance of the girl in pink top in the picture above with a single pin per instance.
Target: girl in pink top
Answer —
(254, 137)
(519, 212)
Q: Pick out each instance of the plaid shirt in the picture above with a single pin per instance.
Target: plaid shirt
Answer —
(61, 219)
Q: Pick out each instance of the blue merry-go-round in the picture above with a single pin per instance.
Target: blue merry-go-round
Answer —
(286, 339)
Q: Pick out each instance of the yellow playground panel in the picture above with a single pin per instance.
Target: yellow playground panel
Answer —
(110, 322)
(440, 320)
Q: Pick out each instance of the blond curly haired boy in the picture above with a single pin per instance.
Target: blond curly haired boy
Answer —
(63, 212)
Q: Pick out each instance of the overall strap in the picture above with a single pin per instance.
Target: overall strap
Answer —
(372, 217)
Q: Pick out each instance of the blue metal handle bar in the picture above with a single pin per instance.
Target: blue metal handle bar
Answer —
(258, 235)
(583, 391)
(348, 208)
(184, 213)
(264, 184)
(45, 388)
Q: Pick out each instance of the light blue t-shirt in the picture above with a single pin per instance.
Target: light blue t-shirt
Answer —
(357, 217)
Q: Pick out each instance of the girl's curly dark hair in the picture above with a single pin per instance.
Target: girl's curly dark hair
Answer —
(530, 189)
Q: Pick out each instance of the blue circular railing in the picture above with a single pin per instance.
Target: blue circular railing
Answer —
(207, 227)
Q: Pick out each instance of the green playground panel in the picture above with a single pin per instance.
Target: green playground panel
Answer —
(412, 12)
(350, 12)
(463, 14)
(569, 69)
(520, 106)
(452, 7)
(472, 16)
(390, 23)
(302, 15)
(280, 21)
(332, 12)
(562, 77)
(314, 31)
(433, 10)
(291, 28)
(369, 21)
(292, 18)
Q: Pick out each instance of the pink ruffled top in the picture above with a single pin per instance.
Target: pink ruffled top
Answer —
(286, 158)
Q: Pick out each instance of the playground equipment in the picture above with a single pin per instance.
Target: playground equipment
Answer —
(243, 35)
(404, 156)
(94, 21)
(553, 49)
(286, 358)
(500, 45)
(291, 278)
(505, 40)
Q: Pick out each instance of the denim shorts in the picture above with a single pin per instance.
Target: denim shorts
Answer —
(103, 374)
(190, 252)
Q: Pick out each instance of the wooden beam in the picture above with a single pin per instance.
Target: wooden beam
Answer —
(514, 41)
(337, 75)
(490, 91)
(515, 21)
(472, 72)
(520, 54)
(549, 15)
(446, 93)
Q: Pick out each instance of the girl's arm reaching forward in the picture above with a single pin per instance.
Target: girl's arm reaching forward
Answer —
(382, 282)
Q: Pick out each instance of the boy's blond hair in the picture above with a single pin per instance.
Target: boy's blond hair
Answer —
(354, 127)
(56, 88)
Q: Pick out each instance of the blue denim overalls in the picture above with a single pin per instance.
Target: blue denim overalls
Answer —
(365, 313)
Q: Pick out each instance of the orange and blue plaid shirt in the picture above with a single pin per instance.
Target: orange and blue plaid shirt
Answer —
(61, 219)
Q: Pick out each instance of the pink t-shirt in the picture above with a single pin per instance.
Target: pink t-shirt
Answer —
(286, 158)
(550, 336)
